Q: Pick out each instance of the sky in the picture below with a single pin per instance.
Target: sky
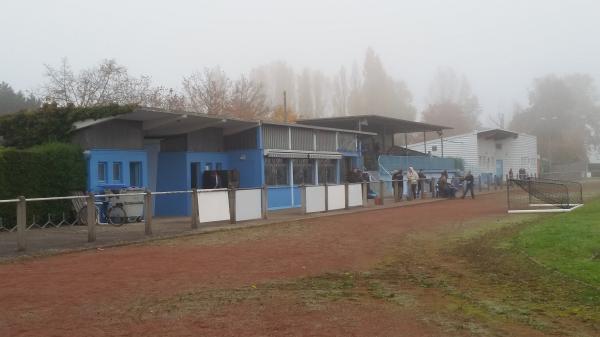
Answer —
(500, 45)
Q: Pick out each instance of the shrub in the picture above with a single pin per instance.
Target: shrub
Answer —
(54, 169)
(50, 123)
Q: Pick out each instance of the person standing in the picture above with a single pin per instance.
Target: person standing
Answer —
(470, 182)
(413, 179)
(398, 178)
(422, 178)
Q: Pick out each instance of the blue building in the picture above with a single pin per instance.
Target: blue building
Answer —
(166, 151)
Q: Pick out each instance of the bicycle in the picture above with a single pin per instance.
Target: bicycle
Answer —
(115, 214)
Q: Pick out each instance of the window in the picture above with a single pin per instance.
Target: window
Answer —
(208, 167)
(434, 148)
(327, 171)
(498, 146)
(102, 171)
(276, 171)
(218, 166)
(135, 174)
(304, 171)
(117, 172)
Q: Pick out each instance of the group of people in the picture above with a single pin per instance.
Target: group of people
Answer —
(415, 181)
(448, 190)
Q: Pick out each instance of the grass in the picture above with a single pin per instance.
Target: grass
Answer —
(568, 243)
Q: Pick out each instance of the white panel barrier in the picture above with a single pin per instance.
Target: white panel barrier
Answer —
(336, 197)
(315, 199)
(213, 205)
(354, 195)
(248, 204)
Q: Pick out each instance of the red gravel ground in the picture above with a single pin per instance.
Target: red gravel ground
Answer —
(102, 293)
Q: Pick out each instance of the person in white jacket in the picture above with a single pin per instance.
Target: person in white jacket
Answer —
(413, 178)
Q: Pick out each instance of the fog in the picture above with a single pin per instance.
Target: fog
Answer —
(500, 46)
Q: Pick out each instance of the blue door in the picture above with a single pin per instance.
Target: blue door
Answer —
(499, 169)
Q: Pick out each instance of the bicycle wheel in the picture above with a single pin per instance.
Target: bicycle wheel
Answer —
(82, 215)
(117, 216)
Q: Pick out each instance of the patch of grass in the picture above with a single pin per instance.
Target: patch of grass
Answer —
(568, 243)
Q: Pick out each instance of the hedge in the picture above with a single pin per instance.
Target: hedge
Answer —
(50, 123)
(53, 169)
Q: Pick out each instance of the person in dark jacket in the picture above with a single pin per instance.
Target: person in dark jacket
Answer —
(469, 185)
(422, 178)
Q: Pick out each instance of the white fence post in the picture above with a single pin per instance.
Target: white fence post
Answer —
(303, 198)
(148, 213)
(21, 224)
(91, 217)
(346, 196)
(231, 197)
(326, 197)
(195, 211)
(264, 202)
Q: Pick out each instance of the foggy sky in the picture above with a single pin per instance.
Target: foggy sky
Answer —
(499, 45)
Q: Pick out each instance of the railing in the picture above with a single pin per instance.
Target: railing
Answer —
(233, 205)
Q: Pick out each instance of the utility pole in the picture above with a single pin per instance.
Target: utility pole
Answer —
(285, 115)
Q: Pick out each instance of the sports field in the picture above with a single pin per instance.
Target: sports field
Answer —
(448, 268)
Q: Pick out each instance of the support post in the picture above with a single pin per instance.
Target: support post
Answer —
(346, 201)
(382, 191)
(479, 183)
(148, 213)
(195, 209)
(396, 191)
(231, 194)
(326, 197)
(508, 193)
(303, 198)
(263, 201)
(91, 217)
(365, 194)
(21, 224)
(424, 142)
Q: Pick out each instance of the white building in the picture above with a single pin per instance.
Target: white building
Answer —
(493, 151)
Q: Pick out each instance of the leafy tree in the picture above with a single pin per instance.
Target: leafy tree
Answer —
(563, 113)
(11, 101)
(247, 100)
(279, 115)
(50, 123)
(381, 93)
(452, 103)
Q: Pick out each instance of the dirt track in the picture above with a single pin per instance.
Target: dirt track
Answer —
(105, 293)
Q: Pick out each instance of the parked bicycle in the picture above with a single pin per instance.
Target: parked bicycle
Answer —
(115, 213)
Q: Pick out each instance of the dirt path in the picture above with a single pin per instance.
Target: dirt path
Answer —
(106, 293)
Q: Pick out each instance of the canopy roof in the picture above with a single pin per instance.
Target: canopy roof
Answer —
(374, 123)
(497, 134)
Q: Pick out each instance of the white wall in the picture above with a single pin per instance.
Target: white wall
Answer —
(461, 146)
(480, 154)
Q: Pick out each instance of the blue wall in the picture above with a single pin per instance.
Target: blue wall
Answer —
(125, 157)
(250, 164)
(174, 173)
(172, 176)
(281, 197)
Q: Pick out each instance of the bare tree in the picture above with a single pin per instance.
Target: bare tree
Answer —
(207, 91)
(106, 83)
(247, 100)
(341, 93)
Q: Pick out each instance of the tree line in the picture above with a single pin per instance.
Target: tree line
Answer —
(561, 109)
